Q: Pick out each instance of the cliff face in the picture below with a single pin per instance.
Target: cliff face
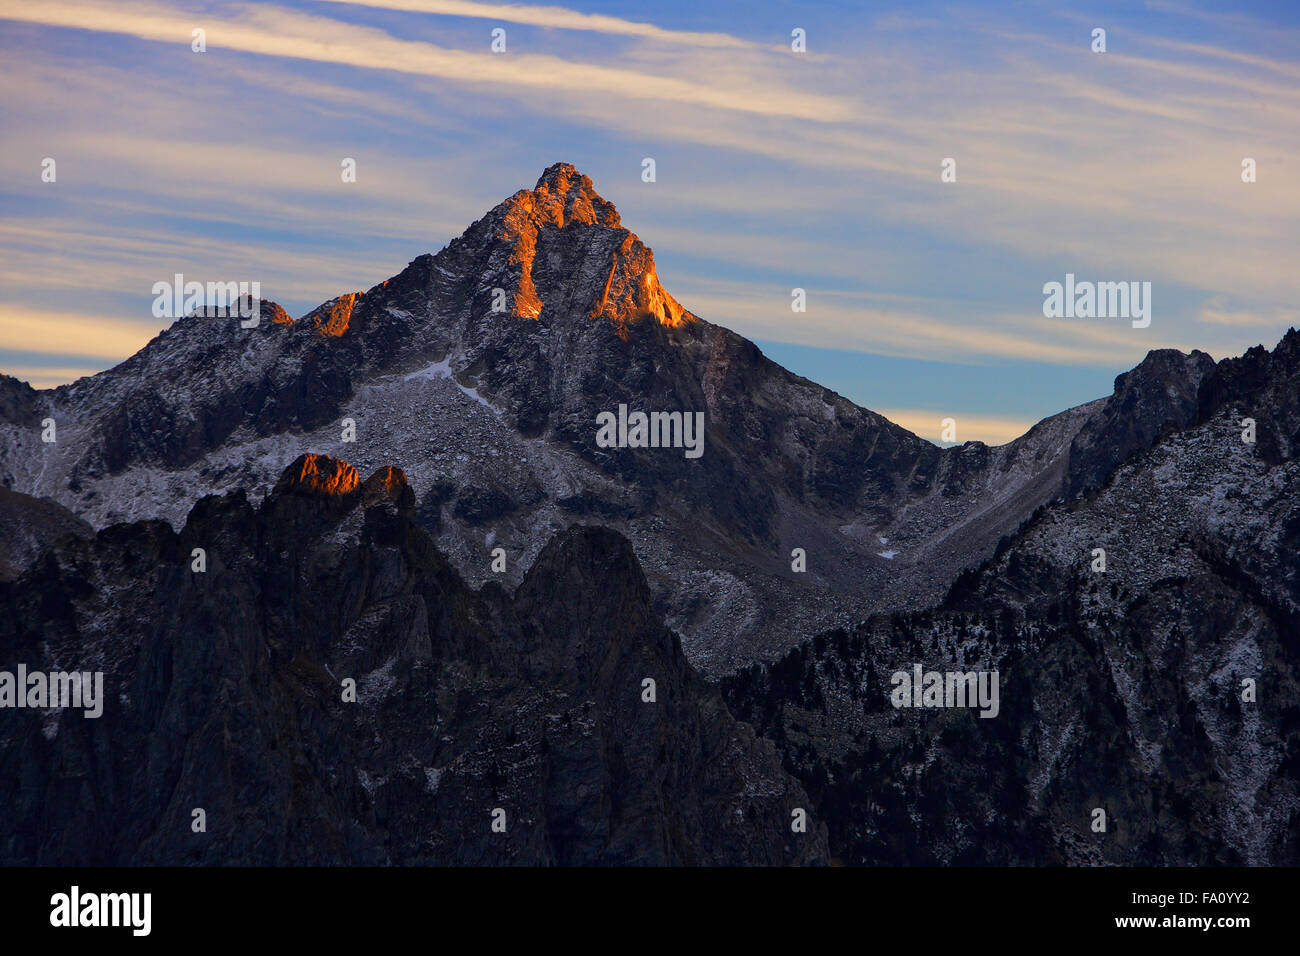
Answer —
(30, 525)
(225, 690)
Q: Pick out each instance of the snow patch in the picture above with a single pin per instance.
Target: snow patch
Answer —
(443, 370)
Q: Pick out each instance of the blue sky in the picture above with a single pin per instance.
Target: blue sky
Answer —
(775, 170)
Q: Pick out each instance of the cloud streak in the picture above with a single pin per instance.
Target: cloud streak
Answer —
(558, 18)
(275, 31)
(24, 330)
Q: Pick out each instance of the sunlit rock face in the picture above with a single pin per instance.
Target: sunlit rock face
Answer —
(565, 199)
(319, 474)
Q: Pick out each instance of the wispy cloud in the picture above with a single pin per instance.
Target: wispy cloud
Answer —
(131, 260)
(867, 324)
(25, 330)
(1235, 56)
(276, 31)
(559, 18)
(1218, 310)
(41, 376)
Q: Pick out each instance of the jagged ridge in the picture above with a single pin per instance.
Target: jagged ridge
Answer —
(226, 691)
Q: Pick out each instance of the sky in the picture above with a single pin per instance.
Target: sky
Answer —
(775, 170)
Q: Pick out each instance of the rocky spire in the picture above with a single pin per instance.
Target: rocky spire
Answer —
(625, 289)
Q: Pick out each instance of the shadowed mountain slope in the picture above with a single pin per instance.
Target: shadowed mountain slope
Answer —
(1164, 690)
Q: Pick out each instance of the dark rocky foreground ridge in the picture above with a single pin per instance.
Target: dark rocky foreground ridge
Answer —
(223, 692)
(480, 371)
(1121, 690)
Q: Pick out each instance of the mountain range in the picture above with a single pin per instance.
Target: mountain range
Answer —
(472, 383)
(482, 370)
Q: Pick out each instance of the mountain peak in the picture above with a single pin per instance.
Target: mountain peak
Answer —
(563, 194)
(557, 173)
(625, 287)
